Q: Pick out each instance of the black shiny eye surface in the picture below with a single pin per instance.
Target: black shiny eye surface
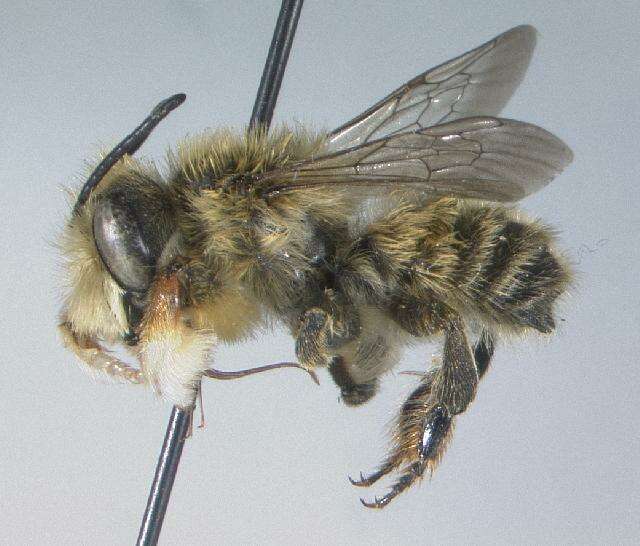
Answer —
(131, 225)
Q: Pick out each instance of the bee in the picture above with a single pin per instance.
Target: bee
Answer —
(394, 227)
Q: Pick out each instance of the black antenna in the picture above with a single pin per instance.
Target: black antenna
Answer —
(179, 421)
(128, 146)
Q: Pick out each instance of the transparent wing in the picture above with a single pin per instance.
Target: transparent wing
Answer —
(482, 157)
(479, 82)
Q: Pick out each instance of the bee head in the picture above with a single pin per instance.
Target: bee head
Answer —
(122, 222)
(124, 234)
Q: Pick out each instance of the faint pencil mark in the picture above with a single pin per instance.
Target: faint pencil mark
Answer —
(585, 249)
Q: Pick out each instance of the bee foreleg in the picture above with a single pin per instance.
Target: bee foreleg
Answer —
(97, 358)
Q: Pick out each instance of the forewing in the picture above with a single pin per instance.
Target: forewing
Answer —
(482, 157)
(479, 82)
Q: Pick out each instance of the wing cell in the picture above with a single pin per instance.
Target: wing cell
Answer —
(482, 157)
(479, 82)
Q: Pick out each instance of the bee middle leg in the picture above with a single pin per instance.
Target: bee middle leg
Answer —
(426, 419)
(322, 329)
(321, 334)
(352, 393)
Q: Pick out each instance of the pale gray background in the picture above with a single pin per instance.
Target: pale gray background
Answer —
(548, 454)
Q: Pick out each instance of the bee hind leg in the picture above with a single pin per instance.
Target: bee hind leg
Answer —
(426, 420)
(436, 429)
(420, 431)
(483, 352)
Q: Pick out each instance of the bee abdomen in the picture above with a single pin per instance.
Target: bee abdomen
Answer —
(475, 259)
(507, 268)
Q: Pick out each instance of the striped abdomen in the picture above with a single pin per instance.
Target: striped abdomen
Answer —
(477, 260)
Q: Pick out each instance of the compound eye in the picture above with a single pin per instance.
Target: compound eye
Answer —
(131, 225)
